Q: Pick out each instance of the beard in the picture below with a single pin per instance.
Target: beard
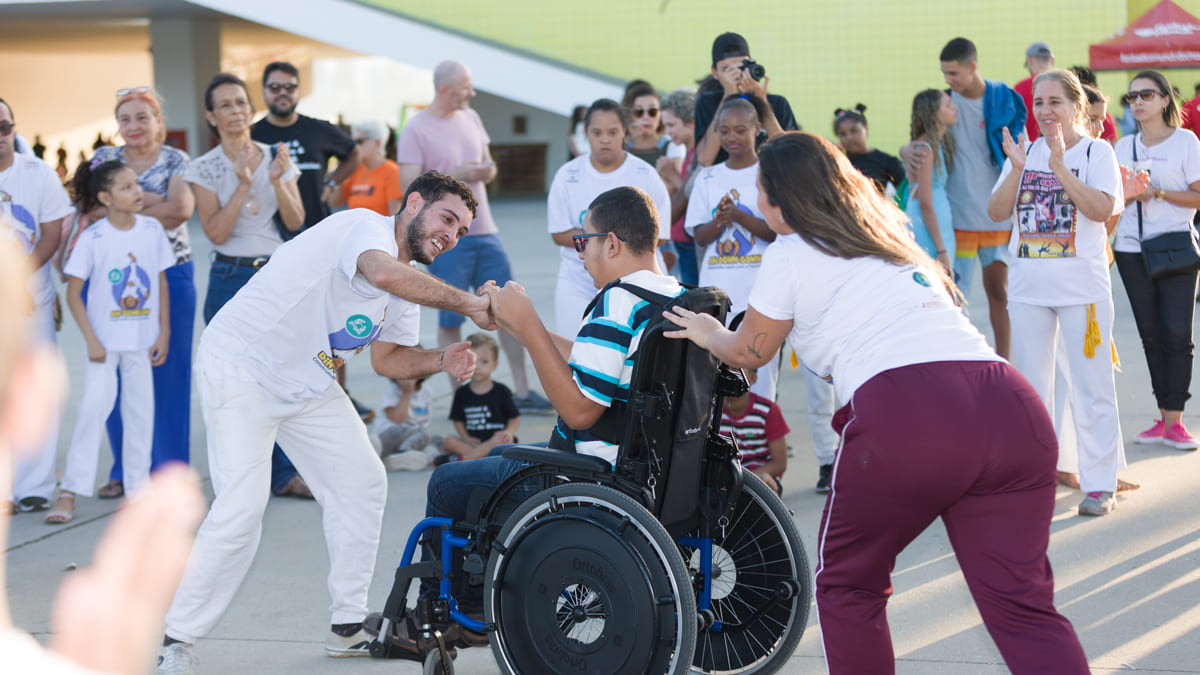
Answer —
(417, 237)
(282, 108)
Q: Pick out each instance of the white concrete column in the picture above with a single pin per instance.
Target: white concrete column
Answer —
(187, 53)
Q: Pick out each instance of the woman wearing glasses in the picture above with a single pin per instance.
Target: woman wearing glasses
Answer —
(375, 183)
(1162, 308)
(575, 185)
(643, 111)
(167, 199)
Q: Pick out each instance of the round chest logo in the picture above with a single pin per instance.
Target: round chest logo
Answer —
(115, 276)
(359, 326)
(920, 279)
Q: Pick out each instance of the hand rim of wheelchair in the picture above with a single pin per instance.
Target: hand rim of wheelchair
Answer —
(655, 575)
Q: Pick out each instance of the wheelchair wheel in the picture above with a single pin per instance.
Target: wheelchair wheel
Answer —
(583, 577)
(434, 665)
(759, 553)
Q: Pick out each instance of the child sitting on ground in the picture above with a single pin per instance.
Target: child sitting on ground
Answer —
(402, 425)
(758, 426)
(484, 412)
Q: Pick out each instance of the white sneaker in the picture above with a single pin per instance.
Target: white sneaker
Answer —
(357, 643)
(176, 659)
(406, 460)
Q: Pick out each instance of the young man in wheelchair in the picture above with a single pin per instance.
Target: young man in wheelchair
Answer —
(582, 378)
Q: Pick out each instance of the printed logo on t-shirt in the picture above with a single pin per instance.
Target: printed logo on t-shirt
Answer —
(362, 190)
(581, 215)
(734, 244)
(130, 290)
(359, 332)
(1045, 217)
(921, 279)
(298, 152)
(17, 223)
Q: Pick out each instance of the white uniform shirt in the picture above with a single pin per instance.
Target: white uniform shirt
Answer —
(310, 309)
(1056, 254)
(1173, 165)
(31, 194)
(731, 261)
(854, 319)
(255, 233)
(122, 267)
(577, 183)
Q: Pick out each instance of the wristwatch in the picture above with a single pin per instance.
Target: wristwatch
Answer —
(330, 182)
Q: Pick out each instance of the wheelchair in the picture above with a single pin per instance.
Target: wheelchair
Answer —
(671, 560)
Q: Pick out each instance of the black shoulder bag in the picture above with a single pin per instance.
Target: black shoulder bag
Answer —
(1167, 254)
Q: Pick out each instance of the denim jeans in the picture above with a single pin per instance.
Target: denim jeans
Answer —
(224, 281)
(448, 495)
(687, 264)
(1163, 311)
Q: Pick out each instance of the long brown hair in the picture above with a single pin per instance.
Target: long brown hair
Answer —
(834, 208)
(927, 121)
(1170, 114)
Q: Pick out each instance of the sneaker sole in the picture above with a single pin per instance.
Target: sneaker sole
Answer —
(401, 461)
(1180, 445)
(1155, 440)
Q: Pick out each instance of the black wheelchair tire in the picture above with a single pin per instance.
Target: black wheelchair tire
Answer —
(762, 547)
(583, 578)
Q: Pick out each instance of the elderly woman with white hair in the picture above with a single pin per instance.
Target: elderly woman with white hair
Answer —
(375, 184)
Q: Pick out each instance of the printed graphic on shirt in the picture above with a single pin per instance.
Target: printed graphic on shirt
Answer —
(362, 190)
(1045, 217)
(17, 223)
(130, 290)
(734, 243)
(299, 155)
(358, 332)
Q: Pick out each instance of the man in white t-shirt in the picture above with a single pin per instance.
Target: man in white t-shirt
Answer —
(265, 371)
(32, 206)
(448, 136)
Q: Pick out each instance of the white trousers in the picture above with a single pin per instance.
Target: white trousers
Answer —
(569, 302)
(137, 418)
(327, 442)
(820, 416)
(1093, 391)
(33, 471)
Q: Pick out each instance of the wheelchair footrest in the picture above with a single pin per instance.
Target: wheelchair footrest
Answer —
(558, 458)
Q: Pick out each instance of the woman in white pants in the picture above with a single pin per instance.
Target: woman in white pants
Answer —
(1060, 191)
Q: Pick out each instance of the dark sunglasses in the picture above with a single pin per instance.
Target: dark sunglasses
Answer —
(276, 87)
(1145, 95)
(580, 240)
(648, 112)
(6, 128)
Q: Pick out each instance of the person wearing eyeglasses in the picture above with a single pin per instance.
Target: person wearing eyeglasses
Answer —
(729, 54)
(33, 204)
(375, 184)
(166, 198)
(575, 185)
(310, 141)
(643, 110)
(1163, 308)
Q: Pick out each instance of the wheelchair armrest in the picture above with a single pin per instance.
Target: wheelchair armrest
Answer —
(566, 460)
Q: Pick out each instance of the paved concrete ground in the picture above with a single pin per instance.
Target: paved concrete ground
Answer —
(1130, 582)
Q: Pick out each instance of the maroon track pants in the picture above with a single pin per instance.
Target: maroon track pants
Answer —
(970, 442)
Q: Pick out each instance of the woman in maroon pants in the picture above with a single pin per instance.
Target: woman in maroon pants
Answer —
(935, 425)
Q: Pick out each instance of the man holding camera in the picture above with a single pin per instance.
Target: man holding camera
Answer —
(737, 74)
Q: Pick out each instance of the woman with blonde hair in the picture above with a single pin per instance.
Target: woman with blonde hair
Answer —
(862, 304)
(1059, 193)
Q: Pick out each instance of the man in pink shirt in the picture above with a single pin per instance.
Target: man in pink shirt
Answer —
(449, 137)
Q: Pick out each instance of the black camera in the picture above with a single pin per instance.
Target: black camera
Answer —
(754, 68)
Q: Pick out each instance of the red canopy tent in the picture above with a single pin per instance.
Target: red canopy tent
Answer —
(1164, 37)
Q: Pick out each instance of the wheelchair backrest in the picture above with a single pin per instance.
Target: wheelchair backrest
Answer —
(671, 407)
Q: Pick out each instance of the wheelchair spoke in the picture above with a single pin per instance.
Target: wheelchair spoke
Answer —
(579, 613)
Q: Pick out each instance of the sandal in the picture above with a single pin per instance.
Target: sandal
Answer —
(63, 511)
(296, 487)
(113, 489)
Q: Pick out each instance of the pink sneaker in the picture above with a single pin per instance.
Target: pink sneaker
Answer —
(1153, 435)
(1178, 437)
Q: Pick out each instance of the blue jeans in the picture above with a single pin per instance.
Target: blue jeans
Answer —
(172, 381)
(687, 264)
(448, 495)
(224, 281)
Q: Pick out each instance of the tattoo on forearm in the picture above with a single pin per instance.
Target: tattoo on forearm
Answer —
(756, 345)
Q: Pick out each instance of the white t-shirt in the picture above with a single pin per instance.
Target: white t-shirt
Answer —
(124, 295)
(310, 309)
(854, 319)
(255, 233)
(419, 407)
(1056, 254)
(1174, 165)
(31, 194)
(730, 261)
(577, 183)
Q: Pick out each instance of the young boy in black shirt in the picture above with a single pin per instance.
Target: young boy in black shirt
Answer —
(484, 412)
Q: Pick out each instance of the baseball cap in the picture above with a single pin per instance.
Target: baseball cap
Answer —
(1039, 49)
(730, 44)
